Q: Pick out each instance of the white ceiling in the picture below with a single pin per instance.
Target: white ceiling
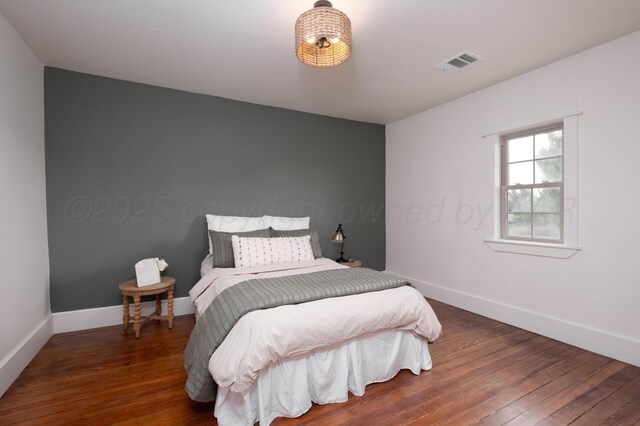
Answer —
(243, 49)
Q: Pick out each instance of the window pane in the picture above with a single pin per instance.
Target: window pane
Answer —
(549, 144)
(521, 173)
(519, 225)
(549, 170)
(521, 149)
(546, 226)
(546, 200)
(519, 201)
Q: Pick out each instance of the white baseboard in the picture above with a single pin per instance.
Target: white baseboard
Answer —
(594, 340)
(15, 361)
(85, 319)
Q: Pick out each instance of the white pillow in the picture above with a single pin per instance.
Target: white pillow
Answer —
(249, 251)
(232, 224)
(282, 223)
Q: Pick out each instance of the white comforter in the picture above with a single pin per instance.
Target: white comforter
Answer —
(262, 337)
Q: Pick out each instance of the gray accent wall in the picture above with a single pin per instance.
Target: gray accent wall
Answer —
(131, 170)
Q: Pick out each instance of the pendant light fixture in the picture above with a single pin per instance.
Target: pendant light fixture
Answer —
(323, 36)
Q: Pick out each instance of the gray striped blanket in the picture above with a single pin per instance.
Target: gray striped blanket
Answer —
(229, 306)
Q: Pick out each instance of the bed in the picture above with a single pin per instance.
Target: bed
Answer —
(293, 346)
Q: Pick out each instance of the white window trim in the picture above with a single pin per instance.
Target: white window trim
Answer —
(492, 231)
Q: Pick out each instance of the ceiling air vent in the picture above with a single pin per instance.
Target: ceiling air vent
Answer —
(458, 62)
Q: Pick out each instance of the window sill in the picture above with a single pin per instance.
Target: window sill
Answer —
(533, 249)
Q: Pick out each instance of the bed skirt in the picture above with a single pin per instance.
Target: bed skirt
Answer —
(287, 388)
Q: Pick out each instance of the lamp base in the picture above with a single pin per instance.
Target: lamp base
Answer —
(341, 260)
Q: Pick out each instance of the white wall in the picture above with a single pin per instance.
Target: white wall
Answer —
(436, 159)
(24, 256)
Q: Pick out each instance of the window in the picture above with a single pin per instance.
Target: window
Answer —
(537, 166)
(532, 185)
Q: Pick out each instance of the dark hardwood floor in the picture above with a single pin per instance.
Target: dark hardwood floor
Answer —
(484, 371)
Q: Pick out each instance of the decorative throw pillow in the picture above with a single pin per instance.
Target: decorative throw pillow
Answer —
(222, 248)
(249, 252)
(233, 224)
(313, 233)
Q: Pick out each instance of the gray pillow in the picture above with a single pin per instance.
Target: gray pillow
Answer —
(313, 233)
(222, 248)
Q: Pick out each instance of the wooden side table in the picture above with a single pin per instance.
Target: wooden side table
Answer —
(354, 264)
(130, 289)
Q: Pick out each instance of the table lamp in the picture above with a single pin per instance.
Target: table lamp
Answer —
(339, 237)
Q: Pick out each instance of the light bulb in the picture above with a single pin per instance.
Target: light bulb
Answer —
(311, 40)
(334, 40)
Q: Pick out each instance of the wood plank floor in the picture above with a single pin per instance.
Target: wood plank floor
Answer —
(484, 371)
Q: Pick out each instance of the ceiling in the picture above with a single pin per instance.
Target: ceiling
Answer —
(243, 49)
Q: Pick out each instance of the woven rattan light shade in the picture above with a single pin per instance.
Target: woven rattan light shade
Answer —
(323, 36)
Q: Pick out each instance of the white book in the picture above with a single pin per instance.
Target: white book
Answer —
(147, 272)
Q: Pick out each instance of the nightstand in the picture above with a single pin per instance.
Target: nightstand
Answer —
(130, 289)
(354, 264)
